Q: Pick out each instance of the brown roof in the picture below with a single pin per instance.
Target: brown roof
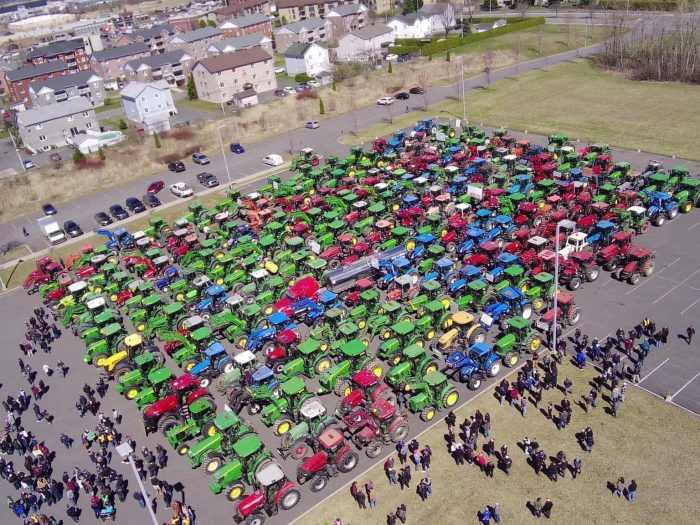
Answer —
(240, 7)
(240, 58)
(301, 3)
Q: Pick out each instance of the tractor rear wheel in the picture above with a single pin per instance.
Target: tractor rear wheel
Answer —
(634, 278)
(189, 364)
(428, 413)
(537, 303)
(399, 432)
(648, 268)
(99, 359)
(257, 518)
(348, 462)
(253, 408)
(450, 398)
(377, 368)
(209, 429)
(131, 392)
(342, 388)
(298, 450)
(646, 225)
(322, 365)
(430, 366)
(495, 368)
(616, 274)
(289, 499)
(389, 396)
(534, 342)
(612, 264)
(592, 273)
(235, 491)
(167, 423)
(373, 449)
(282, 426)
(205, 382)
(474, 383)
(511, 359)
(477, 335)
(687, 207)
(574, 316)
(574, 283)
(121, 370)
(213, 462)
(660, 220)
(318, 483)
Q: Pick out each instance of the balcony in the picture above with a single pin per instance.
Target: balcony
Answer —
(61, 97)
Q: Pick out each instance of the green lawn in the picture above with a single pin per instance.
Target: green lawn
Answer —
(111, 122)
(110, 103)
(4, 134)
(200, 105)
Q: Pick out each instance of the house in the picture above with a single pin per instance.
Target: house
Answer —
(109, 63)
(379, 6)
(428, 20)
(221, 77)
(149, 104)
(247, 97)
(311, 59)
(194, 43)
(4, 68)
(173, 67)
(48, 127)
(345, 18)
(294, 10)
(189, 20)
(365, 44)
(244, 7)
(301, 32)
(230, 45)
(72, 52)
(54, 90)
(488, 26)
(18, 80)
(246, 25)
(155, 37)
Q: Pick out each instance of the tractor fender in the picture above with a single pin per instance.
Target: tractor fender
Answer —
(314, 463)
(200, 392)
(630, 267)
(339, 456)
(200, 367)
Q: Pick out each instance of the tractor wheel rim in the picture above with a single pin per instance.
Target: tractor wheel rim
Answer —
(535, 344)
(213, 466)
(211, 431)
(431, 368)
(283, 428)
(131, 393)
(452, 399)
(430, 415)
(323, 366)
(235, 492)
(377, 371)
(513, 360)
(183, 450)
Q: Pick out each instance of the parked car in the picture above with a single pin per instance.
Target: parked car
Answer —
(302, 87)
(181, 189)
(48, 209)
(273, 160)
(155, 187)
(391, 57)
(55, 157)
(237, 148)
(279, 70)
(200, 158)
(28, 164)
(151, 200)
(207, 179)
(416, 90)
(280, 93)
(402, 96)
(289, 90)
(176, 166)
(313, 84)
(312, 124)
(119, 213)
(385, 101)
(135, 205)
(72, 228)
(103, 219)
(404, 57)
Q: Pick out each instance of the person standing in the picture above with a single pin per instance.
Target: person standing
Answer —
(523, 406)
(486, 516)
(632, 491)
(547, 508)
(537, 505)
(371, 493)
(497, 512)
(577, 467)
(355, 493)
(620, 486)
(568, 385)
(401, 513)
(402, 449)
(691, 332)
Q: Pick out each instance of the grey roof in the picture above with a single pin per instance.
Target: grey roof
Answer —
(198, 34)
(151, 32)
(34, 71)
(408, 19)
(55, 48)
(64, 81)
(159, 60)
(371, 31)
(433, 9)
(297, 50)
(248, 20)
(346, 9)
(4, 64)
(133, 89)
(240, 42)
(54, 111)
(121, 51)
(308, 25)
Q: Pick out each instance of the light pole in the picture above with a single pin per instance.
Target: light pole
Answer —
(567, 225)
(223, 152)
(14, 144)
(464, 94)
(125, 451)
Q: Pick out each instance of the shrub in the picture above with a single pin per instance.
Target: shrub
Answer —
(78, 156)
(123, 125)
(156, 139)
(302, 77)
(321, 109)
(171, 157)
(101, 154)
(307, 95)
(390, 70)
(192, 149)
(181, 134)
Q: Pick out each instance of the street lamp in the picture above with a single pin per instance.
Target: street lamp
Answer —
(567, 225)
(223, 152)
(125, 451)
(464, 94)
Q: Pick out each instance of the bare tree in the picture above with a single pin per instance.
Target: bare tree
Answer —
(447, 17)
(423, 79)
(353, 114)
(518, 48)
(523, 6)
(488, 65)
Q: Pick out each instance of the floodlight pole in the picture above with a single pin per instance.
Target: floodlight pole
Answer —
(223, 152)
(567, 224)
(125, 450)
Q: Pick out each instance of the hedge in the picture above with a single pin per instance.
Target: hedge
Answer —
(411, 45)
(642, 5)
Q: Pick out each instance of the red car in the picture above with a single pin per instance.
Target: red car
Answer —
(155, 187)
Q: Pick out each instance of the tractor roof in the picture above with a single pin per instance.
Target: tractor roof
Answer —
(193, 322)
(382, 409)
(348, 328)
(200, 334)
(507, 258)
(430, 286)
(462, 318)
(245, 357)
(403, 327)
(331, 438)
(543, 277)
(312, 408)
(214, 349)
(425, 238)
(152, 300)
(111, 329)
(278, 318)
(404, 279)
(77, 287)
(262, 373)
(641, 210)
(434, 306)
(578, 236)
(145, 358)
(581, 256)
(502, 219)
(444, 263)
(401, 262)
(469, 270)
(477, 285)
(489, 246)
(309, 346)
(605, 225)
(184, 381)
(435, 378)
(260, 273)
(511, 294)
(413, 351)
(353, 348)
(365, 378)
(247, 446)
(691, 183)
(172, 308)
(564, 298)
(475, 232)
(97, 302)
(537, 240)
(480, 349)
(391, 306)
(640, 252)
(293, 386)
(133, 340)
(226, 420)
(104, 317)
(518, 322)
(514, 271)
(200, 405)
(159, 375)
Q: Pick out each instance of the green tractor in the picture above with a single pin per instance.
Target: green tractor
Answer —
(475, 296)
(156, 386)
(689, 194)
(250, 457)
(540, 290)
(220, 438)
(283, 412)
(166, 318)
(201, 422)
(315, 420)
(111, 338)
(312, 360)
(140, 316)
(434, 393)
(130, 383)
(519, 338)
(415, 364)
(386, 314)
(403, 334)
(352, 358)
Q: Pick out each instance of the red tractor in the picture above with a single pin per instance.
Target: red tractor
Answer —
(172, 410)
(380, 425)
(275, 491)
(568, 313)
(486, 255)
(529, 215)
(615, 254)
(640, 261)
(578, 267)
(305, 288)
(46, 271)
(367, 388)
(333, 455)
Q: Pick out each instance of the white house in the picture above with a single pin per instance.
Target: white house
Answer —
(429, 20)
(150, 105)
(311, 59)
(365, 44)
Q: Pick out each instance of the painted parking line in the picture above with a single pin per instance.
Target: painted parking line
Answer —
(638, 286)
(668, 400)
(676, 286)
(669, 265)
(655, 369)
(678, 282)
(690, 306)
(694, 225)
(687, 383)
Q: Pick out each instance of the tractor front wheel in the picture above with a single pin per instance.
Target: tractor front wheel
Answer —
(318, 483)
(634, 278)
(474, 383)
(182, 450)
(257, 518)
(574, 283)
(289, 499)
(592, 273)
(574, 316)
(342, 388)
(428, 413)
(282, 426)
(648, 268)
(348, 462)
(209, 429)
(373, 449)
(235, 492)
(495, 368)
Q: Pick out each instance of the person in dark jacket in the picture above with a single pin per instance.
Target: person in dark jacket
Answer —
(547, 508)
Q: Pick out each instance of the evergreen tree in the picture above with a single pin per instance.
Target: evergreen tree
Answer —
(156, 139)
(321, 109)
(191, 88)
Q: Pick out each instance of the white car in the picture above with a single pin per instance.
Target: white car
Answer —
(386, 101)
(289, 90)
(312, 124)
(391, 57)
(273, 160)
(181, 189)
(313, 84)
(279, 70)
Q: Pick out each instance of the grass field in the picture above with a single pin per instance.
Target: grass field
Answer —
(201, 105)
(582, 102)
(650, 441)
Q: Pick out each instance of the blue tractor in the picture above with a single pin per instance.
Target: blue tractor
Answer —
(499, 308)
(425, 125)
(523, 184)
(395, 268)
(459, 280)
(602, 234)
(442, 271)
(120, 240)
(315, 310)
(170, 275)
(213, 302)
(661, 206)
(472, 367)
(423, 241)
(505, 226)
(266, 337)
(216, 362)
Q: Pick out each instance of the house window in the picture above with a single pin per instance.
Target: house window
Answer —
(156, 95)
(255, 75)
(85, 113)
(88, 125)
(160, 106)
(235, 81)
(46, 148)
(70, 118)
(143, 99)
(221, 84)
(42, 138)
(39, 126)
(145, 110)
(47, 96)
